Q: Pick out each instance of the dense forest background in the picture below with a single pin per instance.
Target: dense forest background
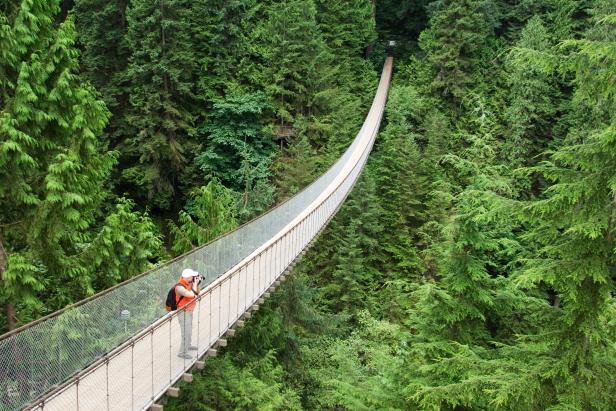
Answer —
(473, 265)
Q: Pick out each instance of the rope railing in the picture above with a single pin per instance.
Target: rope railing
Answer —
(118, 350)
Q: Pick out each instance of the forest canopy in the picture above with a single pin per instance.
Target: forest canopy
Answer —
(472, 266)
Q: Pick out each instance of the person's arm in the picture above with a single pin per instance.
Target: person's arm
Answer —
(181, 290)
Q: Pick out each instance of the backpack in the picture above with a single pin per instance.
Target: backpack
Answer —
(171, 304)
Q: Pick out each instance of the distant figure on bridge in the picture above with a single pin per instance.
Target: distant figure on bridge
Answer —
(186, 291)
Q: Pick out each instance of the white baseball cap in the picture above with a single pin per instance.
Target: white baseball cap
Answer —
(188, 273)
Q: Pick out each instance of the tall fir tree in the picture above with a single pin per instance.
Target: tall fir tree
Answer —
(101, 34)
(353, 268)
(572, 360)
(210, 212)
(456, 35)
(223, 35)
(161, 79)
(533, 95)
(298, 60)
(53, 169)
(348, 27)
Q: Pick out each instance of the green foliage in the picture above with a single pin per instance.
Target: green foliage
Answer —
(456, 35)
(295, 168)
(159, 75)
(472, 266)
(533, 95)
(223, 45)
(363, 371)
(233, 135)
(351, 246)
(257, 385)
(573, 226)
(101, 32)
(298, 63)
(401, 181)
(53, 168)
(347, 26)
(210, 212)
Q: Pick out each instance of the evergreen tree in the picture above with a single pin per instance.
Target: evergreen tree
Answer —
(160, 76)
(354, 240)
(295, 167)
(347, 26)
(533, 95)
(52, 169)
(233, 134)
(469, 304)
(298, 60)
(223, 38)
(101, 33)
(362, 371)
(402, 185)
(210, 212)
(572, 361)
(456, 35)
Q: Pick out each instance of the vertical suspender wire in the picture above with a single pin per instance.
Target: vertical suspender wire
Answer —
(107, 379)
(170, 348)
(229, 305)
(132, 375)
(199, 307)
(237, 306)
(211, 293)
(219, 309)
(152, 359)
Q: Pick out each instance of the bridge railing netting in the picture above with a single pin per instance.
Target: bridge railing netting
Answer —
(119, 351)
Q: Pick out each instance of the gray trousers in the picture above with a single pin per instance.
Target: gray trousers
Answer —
(185, 318)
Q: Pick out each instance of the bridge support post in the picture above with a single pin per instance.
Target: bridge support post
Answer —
(173, 392)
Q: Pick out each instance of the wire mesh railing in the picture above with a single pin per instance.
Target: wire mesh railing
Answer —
(118, 350)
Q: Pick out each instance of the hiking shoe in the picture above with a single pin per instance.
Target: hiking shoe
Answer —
(185, 356)
(193, 348)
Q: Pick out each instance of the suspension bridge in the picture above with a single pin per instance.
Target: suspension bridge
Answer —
(118, 349)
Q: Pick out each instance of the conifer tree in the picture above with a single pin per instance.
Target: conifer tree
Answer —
(53, 168)
(295, 167)
(347, 26)
(210, 212)
(457, 33)
(101, 32)
(233, 134)
(469, 303)
(160, 77)
(223, 43)
(402, 185)
(572, 361)
(354, 244)
(532, 95)
(299, 61)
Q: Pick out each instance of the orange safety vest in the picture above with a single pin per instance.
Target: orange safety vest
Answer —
(182, 301)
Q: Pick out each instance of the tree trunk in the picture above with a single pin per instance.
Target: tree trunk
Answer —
(11, 315)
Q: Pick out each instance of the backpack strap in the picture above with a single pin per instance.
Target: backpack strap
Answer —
(181, 296)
